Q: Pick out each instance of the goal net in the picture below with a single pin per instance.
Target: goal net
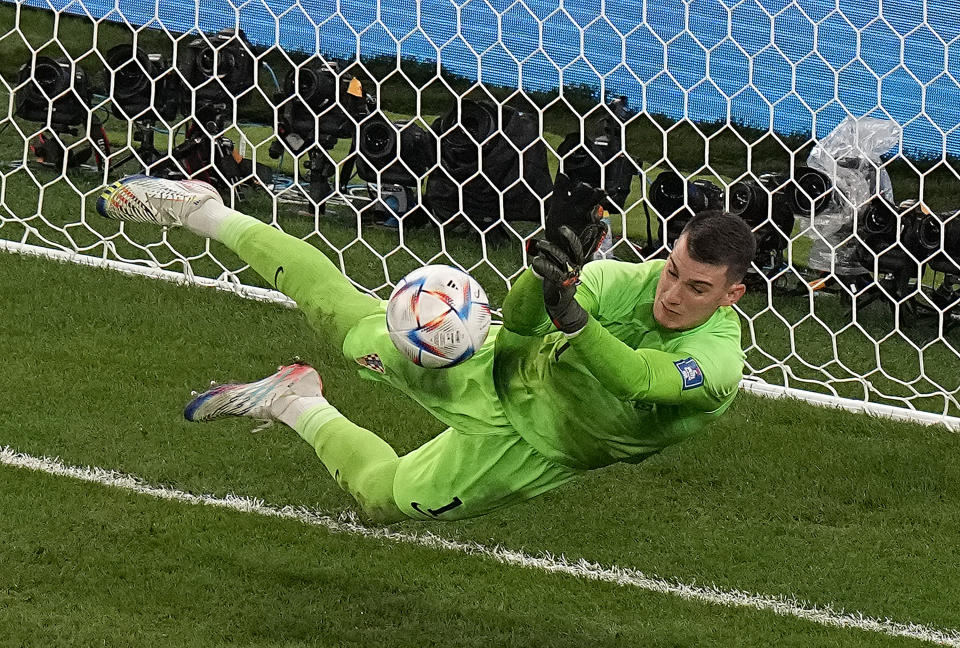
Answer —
(392, 135)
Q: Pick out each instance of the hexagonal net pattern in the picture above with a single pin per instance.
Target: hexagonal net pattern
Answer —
(393, 134)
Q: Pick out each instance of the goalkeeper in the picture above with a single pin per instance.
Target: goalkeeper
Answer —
(594, 364)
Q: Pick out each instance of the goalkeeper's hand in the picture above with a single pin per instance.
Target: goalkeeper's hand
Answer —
(560, 271)
(575, 205)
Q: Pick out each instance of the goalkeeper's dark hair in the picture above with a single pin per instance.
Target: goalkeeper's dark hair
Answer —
(721, 239)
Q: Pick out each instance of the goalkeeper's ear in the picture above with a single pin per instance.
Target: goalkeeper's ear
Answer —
(733, 294)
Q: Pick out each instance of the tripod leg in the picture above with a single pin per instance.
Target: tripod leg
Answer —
(321, 170)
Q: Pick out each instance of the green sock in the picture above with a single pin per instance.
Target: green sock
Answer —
(232, 226)
(362, 463)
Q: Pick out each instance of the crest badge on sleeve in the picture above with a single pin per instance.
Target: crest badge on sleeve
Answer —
(371, 361)
(691, 373)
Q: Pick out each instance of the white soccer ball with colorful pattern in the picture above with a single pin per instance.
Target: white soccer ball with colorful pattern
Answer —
(438, 316)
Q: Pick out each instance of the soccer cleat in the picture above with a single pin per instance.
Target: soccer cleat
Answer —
(143, 199)
(253, 400)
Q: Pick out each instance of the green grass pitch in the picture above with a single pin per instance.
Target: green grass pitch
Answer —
(779, 498)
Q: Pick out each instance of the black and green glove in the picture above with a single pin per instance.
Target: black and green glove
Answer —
(559, 267)
(575, 205)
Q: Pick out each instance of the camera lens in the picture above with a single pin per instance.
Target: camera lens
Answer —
(51, 77)
(812, 189)
(929, 233)
(129, 78)
(666, 193)
(318, 88)
(880, 218)
(476, 120)
(377, 139)
(742, 197)
(205, 62)
(314, 84)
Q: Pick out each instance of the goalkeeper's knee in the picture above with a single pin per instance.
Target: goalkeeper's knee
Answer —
(372, 488)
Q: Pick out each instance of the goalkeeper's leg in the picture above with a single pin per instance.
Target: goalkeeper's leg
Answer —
(362, 463)
(454, 476)
(331, 303)
(458, 474)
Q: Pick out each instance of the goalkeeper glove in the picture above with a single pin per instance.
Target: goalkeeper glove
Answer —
(560, 271)
(577, 207)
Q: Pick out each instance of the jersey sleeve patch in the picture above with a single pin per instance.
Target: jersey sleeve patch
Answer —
(690, 372)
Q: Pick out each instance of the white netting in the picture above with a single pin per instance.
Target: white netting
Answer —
(395, 135)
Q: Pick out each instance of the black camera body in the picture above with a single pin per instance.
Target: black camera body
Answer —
(505, 146)
(144, 86)
(318, 107)
(217, 70)
(56, 88)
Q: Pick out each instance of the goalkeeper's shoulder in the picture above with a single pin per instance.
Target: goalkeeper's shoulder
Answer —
(611, 277)
(718, 350)
(617, 269)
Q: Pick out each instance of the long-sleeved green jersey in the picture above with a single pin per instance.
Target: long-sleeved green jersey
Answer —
(623, 388)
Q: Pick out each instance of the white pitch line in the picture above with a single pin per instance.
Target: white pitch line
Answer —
(624, 576)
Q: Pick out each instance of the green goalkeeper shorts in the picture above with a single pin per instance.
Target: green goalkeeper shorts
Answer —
(480, 463)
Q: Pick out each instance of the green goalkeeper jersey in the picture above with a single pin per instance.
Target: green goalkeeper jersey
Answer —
(625, 387)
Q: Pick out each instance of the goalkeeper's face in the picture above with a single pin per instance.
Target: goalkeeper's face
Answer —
(689, 292)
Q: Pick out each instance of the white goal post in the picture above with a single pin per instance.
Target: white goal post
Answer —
(393, 135)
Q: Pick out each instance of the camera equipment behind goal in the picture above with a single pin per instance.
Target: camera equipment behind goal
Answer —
(145, 90)
(218, 70)
(900, 243)
(393, 158)
(317, 106)
(56, 93)
(596, 155)
(768, 203)
(504, 145)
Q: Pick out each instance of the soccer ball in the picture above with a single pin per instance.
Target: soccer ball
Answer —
(438, 316)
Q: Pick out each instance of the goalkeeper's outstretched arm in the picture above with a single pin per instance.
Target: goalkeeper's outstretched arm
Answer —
(523, 309)
(652, 375)
(524, 312)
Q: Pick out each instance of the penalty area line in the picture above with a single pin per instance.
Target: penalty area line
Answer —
(623, 576)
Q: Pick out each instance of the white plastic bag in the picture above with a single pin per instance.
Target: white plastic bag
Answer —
(851, 156)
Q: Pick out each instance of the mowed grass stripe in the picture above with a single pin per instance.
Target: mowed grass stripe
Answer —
(781, 605)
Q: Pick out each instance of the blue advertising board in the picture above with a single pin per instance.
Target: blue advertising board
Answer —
(798, 66)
